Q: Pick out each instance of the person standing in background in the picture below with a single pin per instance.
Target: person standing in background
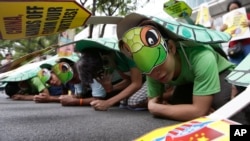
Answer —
(244, 43)
(8, 59)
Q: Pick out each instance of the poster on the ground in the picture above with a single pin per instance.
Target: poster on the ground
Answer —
(234, 20)
(199, 129)
(28, 18)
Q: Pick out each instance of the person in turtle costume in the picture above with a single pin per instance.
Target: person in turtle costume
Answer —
(181, 56)
(100, 58)
(56, 76)
(74, 92)
(26, 89)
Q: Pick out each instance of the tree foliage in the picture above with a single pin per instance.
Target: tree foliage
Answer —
(113, 8)
(97, 7)
(24, 46)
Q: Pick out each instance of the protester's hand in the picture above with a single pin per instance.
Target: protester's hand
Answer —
(68, 100)
(106, 80)
(153, 102)
(223, 27)
(17, 97)
(100, 105)
(42, 98)
(245, 23)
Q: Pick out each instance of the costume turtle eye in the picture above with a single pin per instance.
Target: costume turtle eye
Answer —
(45, 72)
(64, 67)
(44, 75)
(150, 36)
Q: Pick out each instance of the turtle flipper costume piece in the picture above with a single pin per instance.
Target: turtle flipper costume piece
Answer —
(146, 43)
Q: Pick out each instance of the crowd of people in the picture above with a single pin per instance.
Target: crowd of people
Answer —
(154, 71)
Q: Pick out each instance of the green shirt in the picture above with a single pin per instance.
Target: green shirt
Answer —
(203, 71)
(36, 85)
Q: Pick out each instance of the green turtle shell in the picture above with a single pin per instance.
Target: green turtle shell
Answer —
(239, 76)
(26, 71)
(104, 43)
(30, 70)
(195, 33)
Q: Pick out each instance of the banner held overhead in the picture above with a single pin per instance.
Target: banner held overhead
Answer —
(27, 18)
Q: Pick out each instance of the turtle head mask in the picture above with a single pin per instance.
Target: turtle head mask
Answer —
(145, 46)
(63, 71)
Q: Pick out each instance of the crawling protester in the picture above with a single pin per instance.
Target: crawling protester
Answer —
(27, 89)
(100, 58)
(74, 93)
(185, 60)
(23, 83)
(60, 75)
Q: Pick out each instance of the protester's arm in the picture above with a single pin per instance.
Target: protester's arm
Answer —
(45, 91)
(123, 84)
(106, 82)
(68, 100)
(182, 112)
(22, 97)
(136, 83)
(45, 98)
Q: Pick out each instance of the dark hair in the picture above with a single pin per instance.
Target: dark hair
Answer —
(90, 64)
(233, 2)
(12, 88)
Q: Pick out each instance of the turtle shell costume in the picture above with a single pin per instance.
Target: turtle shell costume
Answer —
(146, 42)
(103, 43)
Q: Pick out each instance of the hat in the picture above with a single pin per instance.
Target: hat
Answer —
(135, 19)
(103, 43)
(173, 29)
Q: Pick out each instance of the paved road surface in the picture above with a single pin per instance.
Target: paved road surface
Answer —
(29, 121)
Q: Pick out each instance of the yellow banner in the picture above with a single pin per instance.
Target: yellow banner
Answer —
(23, 19)
(177, 9)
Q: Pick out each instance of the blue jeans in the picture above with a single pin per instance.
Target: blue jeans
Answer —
(246, 51)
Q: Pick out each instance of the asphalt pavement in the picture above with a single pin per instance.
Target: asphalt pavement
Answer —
(29, 121)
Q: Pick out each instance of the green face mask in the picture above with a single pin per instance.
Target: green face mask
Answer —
(145, 46)
(44, 75)
(63, 71)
